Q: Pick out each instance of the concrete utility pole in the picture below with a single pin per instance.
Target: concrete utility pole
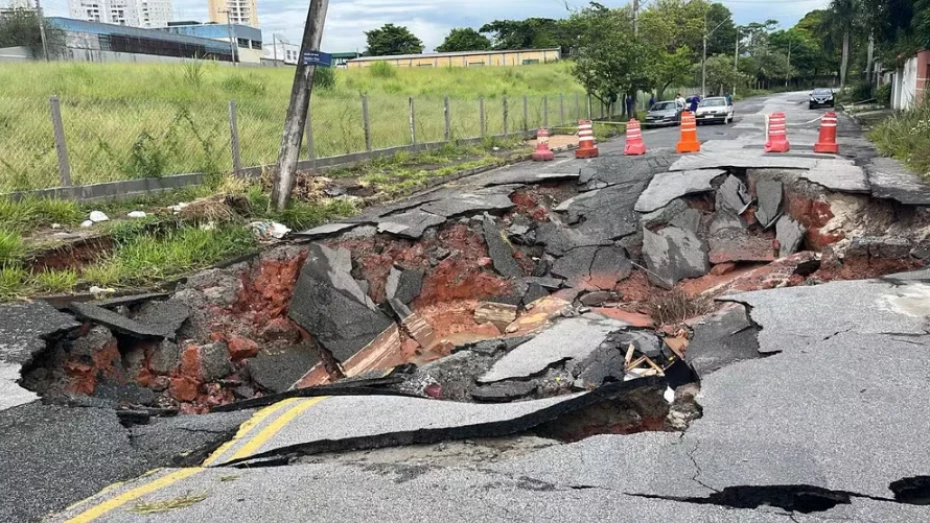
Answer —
(635, 17)
(788, 71)
(42, 29)
(704, 56)
(232, 40)
(736, 56)
(274, 48)
(296, 119)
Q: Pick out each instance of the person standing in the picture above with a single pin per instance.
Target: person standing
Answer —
(652, 100)
(695, 100)
(629, 106)
(680, 101)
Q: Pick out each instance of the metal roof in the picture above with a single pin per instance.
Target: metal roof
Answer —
(444, 55)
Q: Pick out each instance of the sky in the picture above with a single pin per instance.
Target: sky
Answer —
(431, 20)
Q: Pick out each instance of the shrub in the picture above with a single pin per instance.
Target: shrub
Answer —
(676, 305)
(382, 70)
(324, 78)
(883, 94)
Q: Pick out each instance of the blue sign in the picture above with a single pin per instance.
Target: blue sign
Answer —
(318, 58)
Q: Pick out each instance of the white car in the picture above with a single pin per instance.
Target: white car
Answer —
(714, 109)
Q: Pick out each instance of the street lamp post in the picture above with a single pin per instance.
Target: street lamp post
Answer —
(704, 56)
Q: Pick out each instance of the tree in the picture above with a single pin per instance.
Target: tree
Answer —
(843, 17)
(722, 73)
(532, 33)
(19, 26)
(670, 68)
(464, 39)
(392, 39)
(609, 62)
(723, 39)
(801, 49)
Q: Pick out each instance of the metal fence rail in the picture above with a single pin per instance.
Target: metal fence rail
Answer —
(74, 142)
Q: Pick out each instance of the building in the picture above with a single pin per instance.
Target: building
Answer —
(909, 83)
(289, 53)
(242, 12)
(134, 13)
(100, 42)
(464, 59)
(248, 39)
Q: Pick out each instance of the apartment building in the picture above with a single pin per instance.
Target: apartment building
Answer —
(241, 12)
(132, 13)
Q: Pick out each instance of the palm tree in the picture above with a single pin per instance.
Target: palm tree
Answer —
(842, 18)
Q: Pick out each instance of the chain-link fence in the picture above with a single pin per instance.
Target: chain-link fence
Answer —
(78, 141)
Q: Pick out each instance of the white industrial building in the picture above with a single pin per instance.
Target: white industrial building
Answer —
(132, 13)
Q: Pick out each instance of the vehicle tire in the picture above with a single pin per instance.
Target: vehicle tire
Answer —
(811, 106)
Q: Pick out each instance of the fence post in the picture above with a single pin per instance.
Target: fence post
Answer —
(505, 115)
(234, 138)
(589, 107)
(413, 124)
(64, 166)
(577, 109)
(448, 117)
(526, 123)
(366, 123)
(602, 109)
(481, 121)
(561, 110)
(546, 111)
(308, 132)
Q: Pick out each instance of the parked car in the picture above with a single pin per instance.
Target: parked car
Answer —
(714, 109)
(821, 97)
(664, 113)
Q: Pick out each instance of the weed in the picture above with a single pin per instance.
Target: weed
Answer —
(906, 136)
(29, 213)
(676, 305)
(106, 273)
(147, 158)
(56, 281)
(193, 73)
(301, 215)
(324, 78)
(242, 85)
(382, 70)
(13, 280)
(11, 247)
(158, 507)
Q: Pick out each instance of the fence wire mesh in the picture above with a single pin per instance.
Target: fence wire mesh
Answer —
(110, 140)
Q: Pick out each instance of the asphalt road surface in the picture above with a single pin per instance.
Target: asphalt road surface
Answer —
(817, 431)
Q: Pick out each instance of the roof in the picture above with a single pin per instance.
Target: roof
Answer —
(100, 28)
(216, 31)
(346, 54)
(443, 55)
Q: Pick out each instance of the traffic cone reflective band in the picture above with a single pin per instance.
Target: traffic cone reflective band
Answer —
(586, 147)
(689, 142)
(542, 152)
(777, 141)
(827, 141)
(634, 139)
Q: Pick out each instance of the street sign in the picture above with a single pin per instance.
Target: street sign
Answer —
(318, 58)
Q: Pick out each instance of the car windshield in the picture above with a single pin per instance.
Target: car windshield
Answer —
(663, 106)
(714, 102)
(822, 91)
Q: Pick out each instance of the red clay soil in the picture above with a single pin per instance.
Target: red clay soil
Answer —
(74, 255)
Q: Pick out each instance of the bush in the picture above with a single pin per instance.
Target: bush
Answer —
(382, 70)
(883, 94)
(906, 136)
(324, 78)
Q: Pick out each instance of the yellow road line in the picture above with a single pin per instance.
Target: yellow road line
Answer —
(256, 443)
(130, 495)
(248, 426)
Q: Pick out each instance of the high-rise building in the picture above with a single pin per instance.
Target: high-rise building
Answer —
(135, 13)
(242, 12)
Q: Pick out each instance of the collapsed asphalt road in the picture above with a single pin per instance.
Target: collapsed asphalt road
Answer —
(534, 342)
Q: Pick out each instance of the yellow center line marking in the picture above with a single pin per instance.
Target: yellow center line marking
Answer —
(131, 495)
(250, 447)
(248, 426)
(256, 443)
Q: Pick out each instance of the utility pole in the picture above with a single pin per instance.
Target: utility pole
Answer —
(736, 56)
(635, 17)
(274, 48)
(232, 40)
(286, 167)
(704, 60)
(788, 69)
(42, 29)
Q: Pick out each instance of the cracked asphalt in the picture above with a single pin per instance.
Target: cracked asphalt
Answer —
(842, 405)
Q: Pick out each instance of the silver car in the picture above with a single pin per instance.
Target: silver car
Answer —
(714, 109)
(664, 113)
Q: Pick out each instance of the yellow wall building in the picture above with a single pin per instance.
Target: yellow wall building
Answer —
(242, 12)
(464, 59)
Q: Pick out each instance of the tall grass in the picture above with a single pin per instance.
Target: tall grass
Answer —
(906, 136)
(126, 121)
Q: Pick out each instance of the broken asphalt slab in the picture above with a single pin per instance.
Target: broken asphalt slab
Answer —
(721, 339)
(742, 158)
(491, 199)
(673, 254)
(794, 317)
(891, 180)
(837, 175)
(60, 455)
(320, 425)
(24, 329)
(668, 186)
(567, 339)
(404, 285)
(499, 249)
(409, 224)
(331, 306)
(789, 233)
(769, 194)
(593, 267)
(605, 214)
(117, 322)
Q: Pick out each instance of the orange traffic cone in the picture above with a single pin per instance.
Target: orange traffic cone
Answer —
(826, 143)
(689, 142)
(586, 147)
(777, 141)
(634, 139)
(542, 152)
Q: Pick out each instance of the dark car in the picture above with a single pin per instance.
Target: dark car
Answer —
(821, 97)
(664, 113)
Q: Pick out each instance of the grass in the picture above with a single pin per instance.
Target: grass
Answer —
(676, 305)
(906, 136)
(125, 121)
(158, 507)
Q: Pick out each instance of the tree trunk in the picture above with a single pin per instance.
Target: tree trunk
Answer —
(844, 62)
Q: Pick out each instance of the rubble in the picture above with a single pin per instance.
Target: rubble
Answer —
(499, 250)
(117, 322)
(499, 314)
(593, 267)
(889, 179)
(732, 196)
(769, 194)
(673, 254)
(404, 285)
(789, 234)
(722, 339)
(410, 224)
(666, 187)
